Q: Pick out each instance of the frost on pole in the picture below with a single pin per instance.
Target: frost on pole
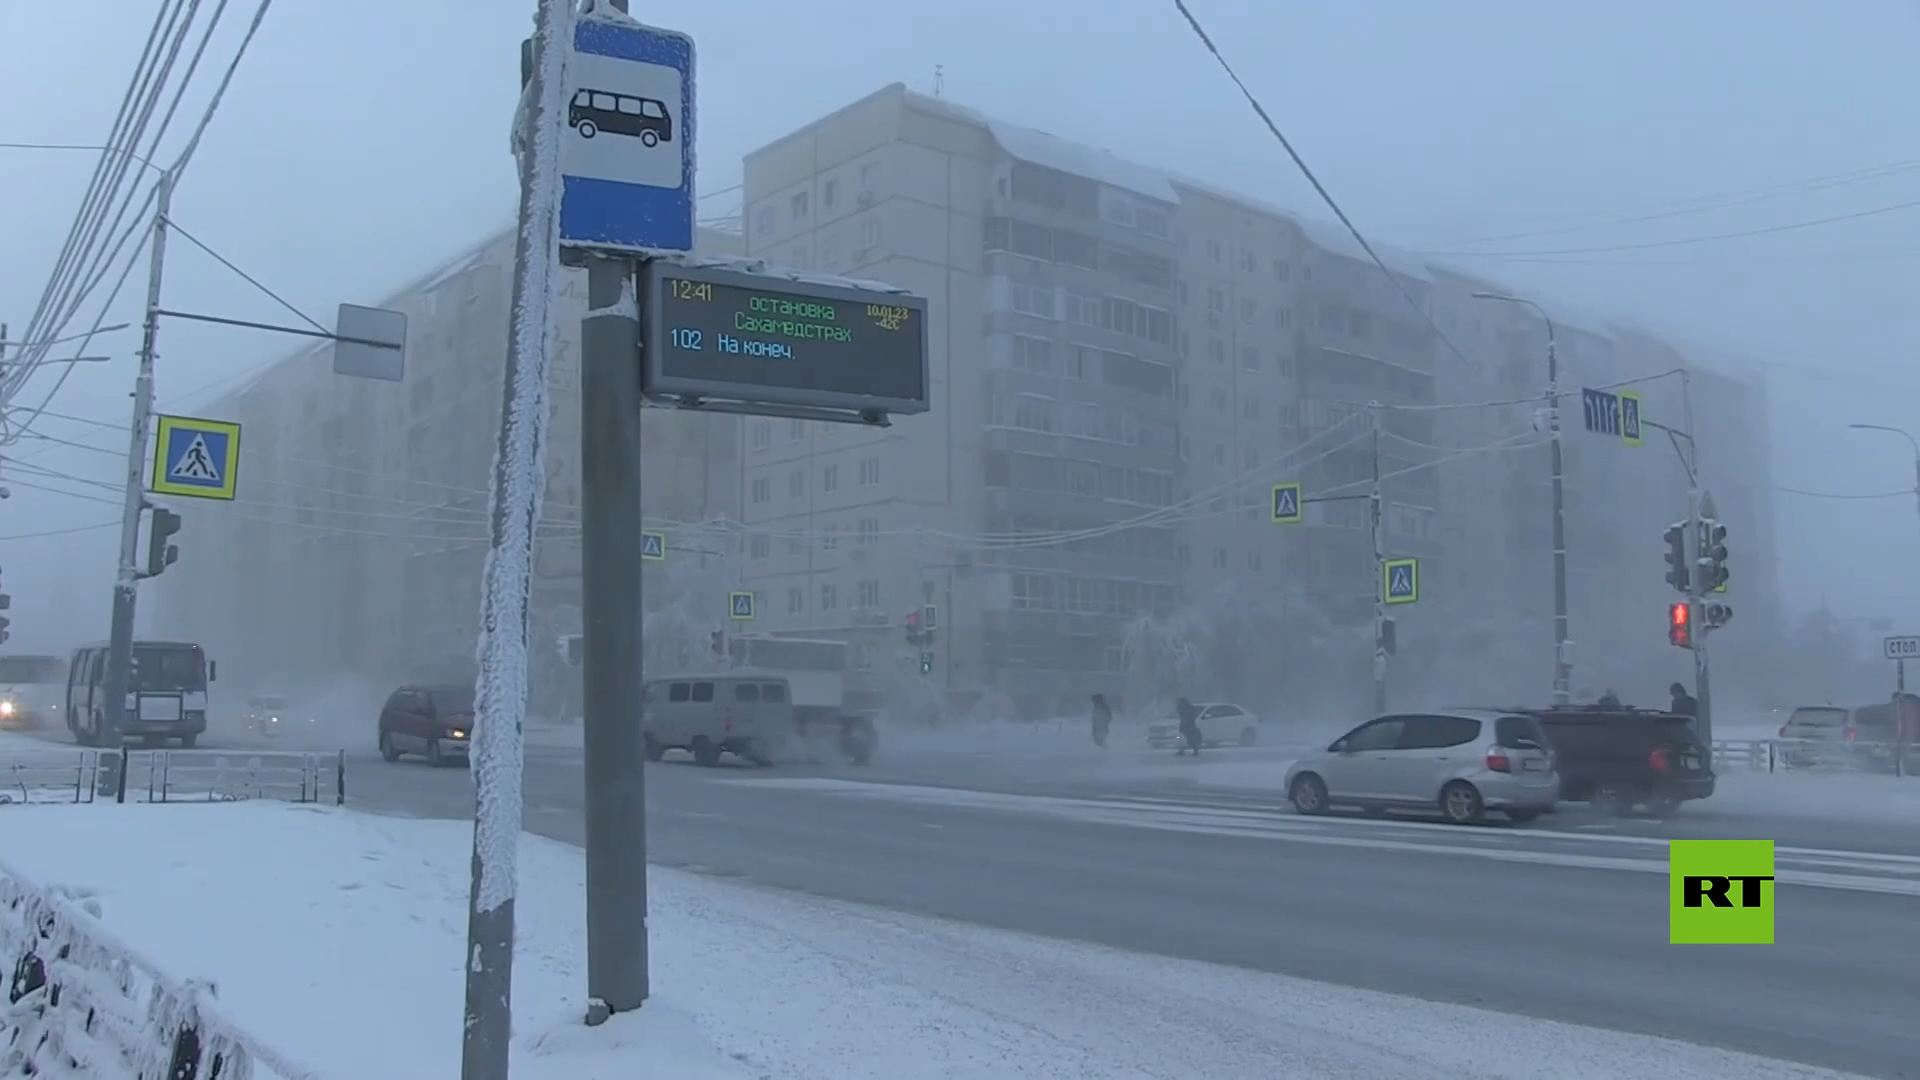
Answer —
(520, 482)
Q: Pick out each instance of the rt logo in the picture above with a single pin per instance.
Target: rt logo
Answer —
(1720, 892)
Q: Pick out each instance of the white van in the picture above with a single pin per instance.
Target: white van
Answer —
(745, 713)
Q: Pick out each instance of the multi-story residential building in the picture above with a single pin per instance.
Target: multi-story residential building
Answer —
(358, 540)
(1124, 362)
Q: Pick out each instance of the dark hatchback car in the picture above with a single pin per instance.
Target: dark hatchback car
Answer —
(435, 722)
(1617, 759)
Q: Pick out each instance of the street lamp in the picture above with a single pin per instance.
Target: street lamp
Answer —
(1911, 441)
(1562, 668)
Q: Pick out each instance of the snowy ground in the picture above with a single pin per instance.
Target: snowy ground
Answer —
(338, 940)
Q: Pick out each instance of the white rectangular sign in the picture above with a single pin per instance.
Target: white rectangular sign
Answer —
(1904, 648)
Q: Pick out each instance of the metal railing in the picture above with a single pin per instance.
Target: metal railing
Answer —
(82, 1003)
(1813, 755)
(59, 774)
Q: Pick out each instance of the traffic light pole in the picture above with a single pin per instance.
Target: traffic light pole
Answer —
(1696, 579)
(1379, 576)
(126, 580)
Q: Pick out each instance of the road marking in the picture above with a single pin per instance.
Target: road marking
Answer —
(1898, 874)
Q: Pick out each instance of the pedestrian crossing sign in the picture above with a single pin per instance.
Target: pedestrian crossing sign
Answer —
(196, 458)
(653, 546)
(1286, 504)
(1400, 581)
(740, 606)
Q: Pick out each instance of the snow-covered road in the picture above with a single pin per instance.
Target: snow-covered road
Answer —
(338, 937)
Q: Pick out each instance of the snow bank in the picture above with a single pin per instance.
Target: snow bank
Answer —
(1857, 797)
(338, 936)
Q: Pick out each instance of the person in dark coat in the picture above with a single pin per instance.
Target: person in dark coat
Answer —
(1683, 702)
(1189, 728)
(1102, 720)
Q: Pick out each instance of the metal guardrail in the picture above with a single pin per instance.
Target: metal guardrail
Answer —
(82, 1003)
(1810, 755)
(59, 774)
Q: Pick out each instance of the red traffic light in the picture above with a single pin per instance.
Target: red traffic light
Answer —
(1680, 625)
(913, 618)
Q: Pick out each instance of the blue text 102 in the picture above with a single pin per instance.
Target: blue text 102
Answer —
(685, 339)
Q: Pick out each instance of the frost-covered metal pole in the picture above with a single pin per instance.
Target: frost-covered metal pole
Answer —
(126, 580)
(519, 482)
(1379, 574)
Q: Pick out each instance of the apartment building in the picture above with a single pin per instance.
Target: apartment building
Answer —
(1124, 362)
(357, 542)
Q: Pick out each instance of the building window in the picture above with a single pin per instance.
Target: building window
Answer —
(1032, 592)
(1250, 358)
(827, 193)
(870, 471)
(1219, 453)
(870, 233)
(763, 222)
(796, 430)
(869, 594)
(799, 205)
(1281, 270)
(796, 484)
(762, 434)
(796, 600)
(1216, 300)
(759, 547)
(1034, 355)
(869, 530)
(1219, 398)
(1250, 408)
(1213, 250)
(1216, 350)
(830, 479)
(1283, 317)
(830, 538)
(1219, 558)
(1246, 259)
(1028, 300)
(762, 490)
(869, 174)
(829, 596)
(1246, 309)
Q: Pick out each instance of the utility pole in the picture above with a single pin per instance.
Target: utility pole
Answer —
(519, 481)
(1379, 573)
(127, 578)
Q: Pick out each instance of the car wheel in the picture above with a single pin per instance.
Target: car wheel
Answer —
(704, 752)
(387, 750)
(187, 741)
(1460, 803)
(434, 757)
(651, 747)
(587, 129)
(1248, 736)
(1308, 794)
(1521, 817)
(649, 140)
(1663, 807)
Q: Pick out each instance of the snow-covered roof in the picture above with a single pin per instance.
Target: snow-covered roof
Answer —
(1078, 159)
(1334, 237)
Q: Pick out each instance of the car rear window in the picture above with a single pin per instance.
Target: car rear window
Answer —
(1818, 718)
(1518, 731)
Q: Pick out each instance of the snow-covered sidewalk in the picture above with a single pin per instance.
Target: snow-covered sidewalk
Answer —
(337, 938)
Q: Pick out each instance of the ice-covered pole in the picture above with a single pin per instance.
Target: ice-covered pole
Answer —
(519, 481)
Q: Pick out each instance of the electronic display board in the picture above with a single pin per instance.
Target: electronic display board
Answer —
(730, 335)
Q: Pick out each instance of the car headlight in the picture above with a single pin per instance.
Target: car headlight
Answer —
(6, 708)
(273, 719)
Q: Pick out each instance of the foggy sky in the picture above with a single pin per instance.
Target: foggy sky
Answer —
(364, 141)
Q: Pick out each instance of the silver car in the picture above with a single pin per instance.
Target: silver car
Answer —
(1462, 762)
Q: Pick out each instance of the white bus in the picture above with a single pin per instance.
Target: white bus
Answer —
(32, 689)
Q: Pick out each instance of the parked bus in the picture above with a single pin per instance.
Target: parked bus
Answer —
(32, 689)
(166, 693)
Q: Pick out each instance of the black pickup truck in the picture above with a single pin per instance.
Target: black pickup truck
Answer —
(1617, 759)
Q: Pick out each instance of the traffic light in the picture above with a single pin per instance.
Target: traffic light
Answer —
(1677, 575)
(1680, 624)
(926, 663)
(719, 640)
(160, 552)
(1386, 635)
(913, 628)
(1713, 555)
(1718, 615)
